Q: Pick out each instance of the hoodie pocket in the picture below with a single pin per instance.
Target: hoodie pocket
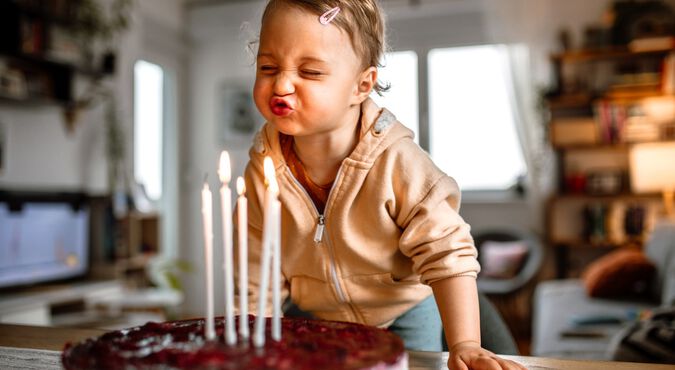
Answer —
(313, 295)
(382, 289)
(380, 298)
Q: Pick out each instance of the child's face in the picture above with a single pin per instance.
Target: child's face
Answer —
(308, 74)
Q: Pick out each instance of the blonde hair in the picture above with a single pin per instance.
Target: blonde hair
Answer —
(362, 20)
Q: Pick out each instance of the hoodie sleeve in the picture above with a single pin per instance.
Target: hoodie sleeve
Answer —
(255, 190)
(434, 235)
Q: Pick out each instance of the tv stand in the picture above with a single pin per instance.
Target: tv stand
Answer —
(34, 306)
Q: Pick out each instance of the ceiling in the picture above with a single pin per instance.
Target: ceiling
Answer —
(200, 3)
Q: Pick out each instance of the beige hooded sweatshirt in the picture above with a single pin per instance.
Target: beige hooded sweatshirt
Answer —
(390, 228)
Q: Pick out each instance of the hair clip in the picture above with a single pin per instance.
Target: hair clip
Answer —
(328, 16)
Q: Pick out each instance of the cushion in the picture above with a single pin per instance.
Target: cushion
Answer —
(502, 260)
(618, 274)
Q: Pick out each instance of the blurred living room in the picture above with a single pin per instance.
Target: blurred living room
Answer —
(556, 118)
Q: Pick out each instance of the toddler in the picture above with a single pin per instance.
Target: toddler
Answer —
(370, 226)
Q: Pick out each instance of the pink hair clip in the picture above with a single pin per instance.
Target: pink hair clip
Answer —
(328, 16)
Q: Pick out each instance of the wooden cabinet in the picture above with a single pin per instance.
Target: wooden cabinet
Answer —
(138, 242)
(604, 102)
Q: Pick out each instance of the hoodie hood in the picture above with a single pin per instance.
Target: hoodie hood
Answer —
(379, 130)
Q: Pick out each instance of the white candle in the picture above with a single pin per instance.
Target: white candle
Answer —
(259, 329)
(226, 211)
(207, 220)
(276, 261)
(242, 232)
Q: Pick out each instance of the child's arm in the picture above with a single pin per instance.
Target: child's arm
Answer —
(457, 300)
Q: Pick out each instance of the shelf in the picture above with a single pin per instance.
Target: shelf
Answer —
(583, 100)
(603, 146)
(28, 101)
(567, 101)
(600, 197)
(51, 63)
(137, 262)
(633, 96)
(617, 52)
(43, 56)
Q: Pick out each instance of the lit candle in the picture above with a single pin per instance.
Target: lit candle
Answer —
(276, 260)
(226, 210)
(242, 232)
(207, 220)
(268, 222)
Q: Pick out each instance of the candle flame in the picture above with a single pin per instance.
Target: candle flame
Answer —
(268, 170)
(241, 186)
(270, 176)
(224, 170)
(274, 187)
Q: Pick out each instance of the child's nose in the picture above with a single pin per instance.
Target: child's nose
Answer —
(283, 85)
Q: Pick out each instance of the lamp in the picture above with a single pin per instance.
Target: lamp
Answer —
(652, 169)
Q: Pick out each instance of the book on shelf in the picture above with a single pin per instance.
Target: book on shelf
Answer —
(63, 46)
(32, 40)
(668, 75)
(640, 129)
(611, 118)
(574, 131)
(657, 43)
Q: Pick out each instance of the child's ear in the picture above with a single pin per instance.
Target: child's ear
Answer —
(365, 84)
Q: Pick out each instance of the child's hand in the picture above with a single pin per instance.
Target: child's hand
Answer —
(469, 355)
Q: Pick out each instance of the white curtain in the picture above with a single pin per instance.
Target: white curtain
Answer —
(530, 125)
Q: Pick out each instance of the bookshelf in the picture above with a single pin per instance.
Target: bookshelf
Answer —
(604, 101)
(45, 46)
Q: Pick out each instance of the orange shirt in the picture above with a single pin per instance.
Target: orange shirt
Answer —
(318, 193)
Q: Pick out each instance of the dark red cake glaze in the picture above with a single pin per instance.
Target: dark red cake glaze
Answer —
(306, 345)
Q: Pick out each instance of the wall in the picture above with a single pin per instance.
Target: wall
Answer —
(42, 155)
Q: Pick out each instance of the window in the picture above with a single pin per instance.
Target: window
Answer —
(400, 70)
(148, 127)
(471, 120)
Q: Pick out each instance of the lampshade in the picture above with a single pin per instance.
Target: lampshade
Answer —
(652, 167)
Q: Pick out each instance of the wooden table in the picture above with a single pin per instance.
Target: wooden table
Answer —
(39, 348)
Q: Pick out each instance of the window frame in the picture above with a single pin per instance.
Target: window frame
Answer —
(163, 121)
(468, 196)
(499, 50)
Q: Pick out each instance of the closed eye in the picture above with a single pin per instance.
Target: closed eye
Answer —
(311, 73)
(268, 69)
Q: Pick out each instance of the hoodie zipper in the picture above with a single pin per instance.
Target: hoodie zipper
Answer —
(318, 236)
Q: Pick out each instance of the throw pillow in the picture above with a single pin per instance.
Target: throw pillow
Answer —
(621, 273)
(502, 260)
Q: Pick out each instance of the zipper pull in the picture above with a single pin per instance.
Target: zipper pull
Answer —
(318, 235)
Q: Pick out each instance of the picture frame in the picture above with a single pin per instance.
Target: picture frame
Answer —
(237, 118)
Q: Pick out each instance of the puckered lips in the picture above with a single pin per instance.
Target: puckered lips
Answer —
(281, 107)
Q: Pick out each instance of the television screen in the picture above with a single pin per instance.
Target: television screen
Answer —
(42, 241)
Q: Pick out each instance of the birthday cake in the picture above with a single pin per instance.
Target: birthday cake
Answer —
(305, 345)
